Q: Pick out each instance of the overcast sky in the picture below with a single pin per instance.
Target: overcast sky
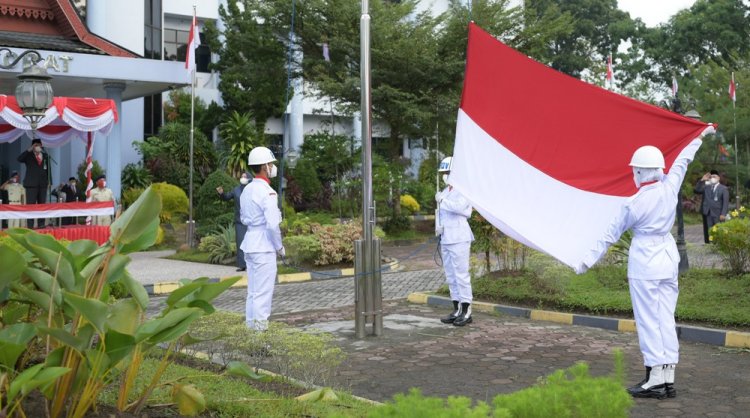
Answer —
(653, 12)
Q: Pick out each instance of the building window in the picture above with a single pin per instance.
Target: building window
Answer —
(152, 107)
(152, 30)
(175, 49)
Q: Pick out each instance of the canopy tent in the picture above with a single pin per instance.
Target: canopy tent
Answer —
(67, 118)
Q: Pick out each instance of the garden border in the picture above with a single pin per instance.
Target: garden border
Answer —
(164, 288)
(725, 338)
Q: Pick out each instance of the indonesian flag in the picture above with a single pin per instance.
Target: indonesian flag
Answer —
(732, 90)
(610, 77)
(548, 166)
(56, 210)
(193, 41)
(675, 87)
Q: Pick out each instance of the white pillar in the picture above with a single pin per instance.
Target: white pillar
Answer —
(357, 130)
(405, 150)
(114, 154)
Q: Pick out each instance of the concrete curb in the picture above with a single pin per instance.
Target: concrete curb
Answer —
(164, 288)
(711, 336)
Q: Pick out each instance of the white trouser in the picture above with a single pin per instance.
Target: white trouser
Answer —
(261, 278)
(654, 303)
(456, 265)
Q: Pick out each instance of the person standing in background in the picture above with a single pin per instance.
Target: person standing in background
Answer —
(36, 181)
(101, 193)
(16, 196)
(715, 203)
(72, 194)
(239, 228)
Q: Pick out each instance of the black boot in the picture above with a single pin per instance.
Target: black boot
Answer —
(453, 315)
(464, 317)
(655, 390)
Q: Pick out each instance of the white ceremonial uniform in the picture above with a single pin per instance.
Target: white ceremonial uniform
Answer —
(260, 213)
(102, 195)
(455, 243)
(653, 260)
(16, 196)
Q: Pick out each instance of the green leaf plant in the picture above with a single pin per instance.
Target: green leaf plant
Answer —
(62, 334)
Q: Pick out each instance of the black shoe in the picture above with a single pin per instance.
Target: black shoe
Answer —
(656, 392)
(452, 316)
(242, 269)
(464, 317)
(638, 385)
(671, 391)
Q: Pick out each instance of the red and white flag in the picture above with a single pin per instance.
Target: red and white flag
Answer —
(610, 77)
(548, 166)
(194, 40)
(675, 87)
(732, 90)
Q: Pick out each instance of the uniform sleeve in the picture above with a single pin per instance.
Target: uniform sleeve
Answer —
(700, 187)
(245, 202)
(273, 219)
(679, 167)
(456, 203)
(619, 225)
(22, 158)
(226, 196)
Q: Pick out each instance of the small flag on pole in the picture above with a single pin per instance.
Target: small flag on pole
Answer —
(674, 86)
(732, 90)
(723, 150)
(326, 55)
(194, 40)
(610, 78)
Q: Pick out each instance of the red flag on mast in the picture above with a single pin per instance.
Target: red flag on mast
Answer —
(732, 90)
(194, 40)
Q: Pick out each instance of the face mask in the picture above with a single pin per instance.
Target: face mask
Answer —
(445, 178)
(14, 180)
(636, 178)
(714, 180)
(273, 171)
(244, 180)
(37, 149)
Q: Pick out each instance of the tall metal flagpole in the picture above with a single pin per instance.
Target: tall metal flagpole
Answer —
(367, 286)
(736, 150)
(191, 224)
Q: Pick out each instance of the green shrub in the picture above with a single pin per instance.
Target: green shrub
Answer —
(306, 178)
(396, 224)
(221, 247)
(731, 239)
(302, 248)
(409, 203)
(565, 393)
(135, 176)
(208, 205)
(96, 171)
(129, 196)
(309, 356)
(174, 201)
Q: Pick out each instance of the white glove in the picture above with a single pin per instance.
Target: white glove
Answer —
(438, 231)
(438, 197)
(281, 252)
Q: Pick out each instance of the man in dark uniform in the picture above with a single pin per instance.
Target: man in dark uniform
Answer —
(72, 194)
(239, 228)
(37, 175)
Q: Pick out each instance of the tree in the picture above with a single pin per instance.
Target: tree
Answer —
(252, 58)
(177, 109)
(239, 136)
(716, 30)
(597, 28)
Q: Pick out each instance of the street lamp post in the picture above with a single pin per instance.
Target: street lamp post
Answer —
(34, 92)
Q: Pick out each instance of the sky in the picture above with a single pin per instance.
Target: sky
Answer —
(653, 12)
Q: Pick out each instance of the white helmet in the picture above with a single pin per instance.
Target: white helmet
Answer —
(445, 165)
(259, 156)
(647, 156)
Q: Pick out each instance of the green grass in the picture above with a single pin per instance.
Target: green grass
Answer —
(706, 296)
(233, 397)
(410, 234)
(692, 218)
(191, 255)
